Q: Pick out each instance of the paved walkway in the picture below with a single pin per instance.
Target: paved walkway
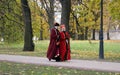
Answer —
(77, 64)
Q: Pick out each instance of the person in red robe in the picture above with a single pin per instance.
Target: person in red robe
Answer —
(53, 49)
(64, 44)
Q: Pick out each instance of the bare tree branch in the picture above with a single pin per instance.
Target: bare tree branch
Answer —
(85, 5)
(76, 19)
(46, 8)
(41, 14)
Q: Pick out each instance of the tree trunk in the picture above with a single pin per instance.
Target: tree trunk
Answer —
(2, 29)
(96, 15)
(51, 19)
(86, 33)
(81, 37)
(51, 14)
(28, 42)
(41, 31)
(108, 36)
(65, 16)
(41, 35)
(93, 34)
(76, 27)
(49, 8)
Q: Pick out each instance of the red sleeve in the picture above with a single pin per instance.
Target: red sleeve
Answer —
(53, 34)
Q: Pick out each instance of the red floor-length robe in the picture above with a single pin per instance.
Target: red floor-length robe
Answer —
(52, 49)
(64, 46)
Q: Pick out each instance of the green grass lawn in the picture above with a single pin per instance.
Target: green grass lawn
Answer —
(79, 50)
(7, 68)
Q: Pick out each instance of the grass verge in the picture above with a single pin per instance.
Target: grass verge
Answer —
(8, 68)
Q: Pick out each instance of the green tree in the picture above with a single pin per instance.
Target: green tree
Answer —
(86, 15)
(11, 25)
(94, 7)
(106, 18)
(39, 21)
(114, 9)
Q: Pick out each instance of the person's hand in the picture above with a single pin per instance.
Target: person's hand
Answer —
(67, 41)
(57, 43)
(58, 36)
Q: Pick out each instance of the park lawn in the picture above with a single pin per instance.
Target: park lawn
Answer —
(9, 68)
(79, 49)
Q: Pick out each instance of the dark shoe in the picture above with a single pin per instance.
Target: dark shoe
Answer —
(49, 59)
(58, 59)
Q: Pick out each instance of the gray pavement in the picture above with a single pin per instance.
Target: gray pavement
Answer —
(76, 64)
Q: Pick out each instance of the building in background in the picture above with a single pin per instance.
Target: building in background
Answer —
(57, 9)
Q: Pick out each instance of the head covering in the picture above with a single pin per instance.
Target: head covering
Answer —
(56, 24)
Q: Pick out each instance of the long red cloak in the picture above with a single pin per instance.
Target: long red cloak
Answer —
(52, 49)
(64, 46)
